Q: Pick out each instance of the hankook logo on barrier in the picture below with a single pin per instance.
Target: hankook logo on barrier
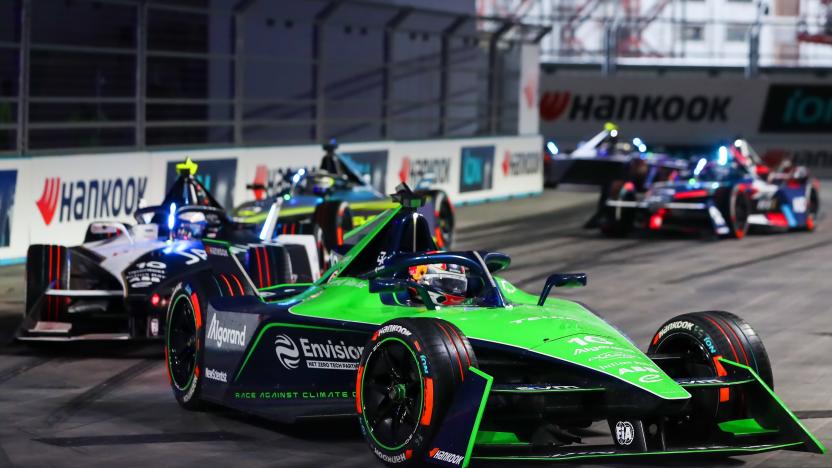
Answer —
(633, 107)
(797, 109)
(413, 170)
(87, 199)
(523, 163)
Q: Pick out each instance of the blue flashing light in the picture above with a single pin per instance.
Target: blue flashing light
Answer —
(722, 155)
(172, 217)
(699, 166)
(552, 148)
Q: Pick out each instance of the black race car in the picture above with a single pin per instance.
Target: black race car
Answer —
(116, 285)
(329, 201)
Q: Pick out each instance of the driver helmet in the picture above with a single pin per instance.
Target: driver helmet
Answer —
(446, 284)
(191, 225)
(322, 183)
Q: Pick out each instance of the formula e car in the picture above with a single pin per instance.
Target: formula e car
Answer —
(607, 157)
(444, 363)
(116, 284)
(329, 201)
(723, 195)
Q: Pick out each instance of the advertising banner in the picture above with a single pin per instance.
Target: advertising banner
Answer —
(786, 113)
(65, 193)
(53, 199)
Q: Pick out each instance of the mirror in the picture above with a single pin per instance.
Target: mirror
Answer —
(496, 261)
(395, 285)
(561, 280)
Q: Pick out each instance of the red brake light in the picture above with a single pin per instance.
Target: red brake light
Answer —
(155, 300)
(691, 194)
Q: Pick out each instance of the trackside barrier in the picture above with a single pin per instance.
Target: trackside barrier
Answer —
(53, 199)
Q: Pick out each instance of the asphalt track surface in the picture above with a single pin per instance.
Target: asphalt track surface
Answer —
(111, 405)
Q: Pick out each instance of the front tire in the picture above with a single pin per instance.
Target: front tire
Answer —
(407, 378)
(735, 206)
(184, 341)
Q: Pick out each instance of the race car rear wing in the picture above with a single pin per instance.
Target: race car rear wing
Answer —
(768, 425)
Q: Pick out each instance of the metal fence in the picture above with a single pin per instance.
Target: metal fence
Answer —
(713, 33)
(101, 75)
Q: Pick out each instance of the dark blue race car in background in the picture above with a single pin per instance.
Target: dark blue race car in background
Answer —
(724, 194)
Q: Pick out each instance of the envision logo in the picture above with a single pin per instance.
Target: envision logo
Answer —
(223, 335)
(287, 352)
(85, 199)
(634, 107)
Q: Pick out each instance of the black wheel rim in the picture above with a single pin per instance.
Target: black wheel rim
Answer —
(182, 343)
(391, 394)
(697, 360)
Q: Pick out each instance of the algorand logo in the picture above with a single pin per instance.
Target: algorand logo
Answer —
(287, 352)
(85, 199)
(522, 163)
(633, 107)
(414, 170)
(446, 457)
(222, 335)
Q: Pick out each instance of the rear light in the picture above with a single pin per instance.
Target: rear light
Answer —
(155, 300)
(691, 194)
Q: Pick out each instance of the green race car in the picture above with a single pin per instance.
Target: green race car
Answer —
(444, 363)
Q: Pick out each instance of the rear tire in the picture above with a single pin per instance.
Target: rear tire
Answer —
(617, 221)
(443, 214)
(812, 209)
(407, 379)
(335, 220)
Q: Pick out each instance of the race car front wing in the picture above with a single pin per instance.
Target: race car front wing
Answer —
(768, 425)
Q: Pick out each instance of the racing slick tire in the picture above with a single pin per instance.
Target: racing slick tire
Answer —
(735, 206)
(812, 209)
(185, 340)
(335, 219)
(701, 338)
(407, 377)
(444, 215)
(618, 221)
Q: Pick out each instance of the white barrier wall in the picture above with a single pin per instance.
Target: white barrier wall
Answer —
(53, 199)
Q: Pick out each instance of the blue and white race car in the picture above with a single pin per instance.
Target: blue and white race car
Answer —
(725, 195)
